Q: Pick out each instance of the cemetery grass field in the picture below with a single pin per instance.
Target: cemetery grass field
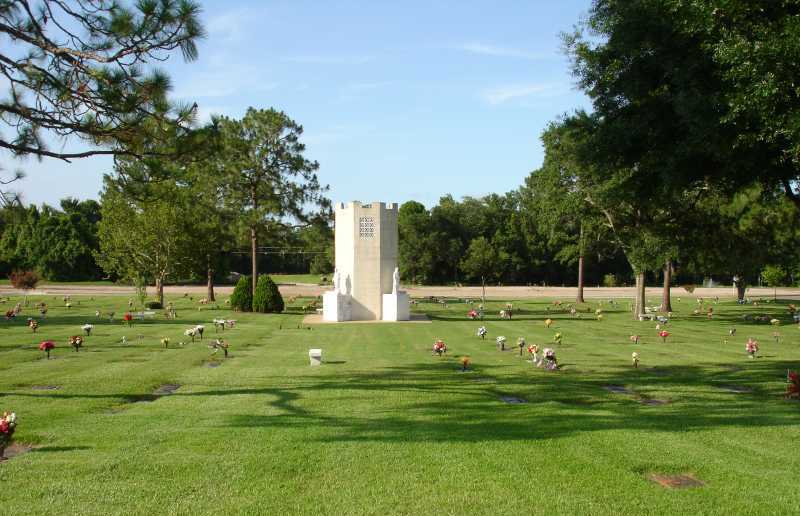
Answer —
(384, 427)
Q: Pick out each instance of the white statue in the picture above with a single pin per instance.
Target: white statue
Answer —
(347, 285)
(396, 280)
(337, 281)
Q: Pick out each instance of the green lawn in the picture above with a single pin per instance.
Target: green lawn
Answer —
(383, 427)
(314, 279)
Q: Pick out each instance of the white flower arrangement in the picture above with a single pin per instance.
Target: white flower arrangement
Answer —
(87, 328)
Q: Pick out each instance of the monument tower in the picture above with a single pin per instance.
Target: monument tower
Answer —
(366, 279)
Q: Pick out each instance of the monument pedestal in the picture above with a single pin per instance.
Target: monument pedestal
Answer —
(396, 307)
(335, 307)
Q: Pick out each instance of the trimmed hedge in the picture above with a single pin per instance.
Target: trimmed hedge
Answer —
(268, 298)
(242, 298)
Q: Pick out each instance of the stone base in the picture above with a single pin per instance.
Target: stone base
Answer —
(396, 307)
(335, 307)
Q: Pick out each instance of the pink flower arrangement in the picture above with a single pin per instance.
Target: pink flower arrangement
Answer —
(439, 347)
(635, 339)
(751, 347)
(8, 423)
(663, 334)
(472, 314)
(47, 346)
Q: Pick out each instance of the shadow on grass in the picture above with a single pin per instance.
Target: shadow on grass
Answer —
(432, 401)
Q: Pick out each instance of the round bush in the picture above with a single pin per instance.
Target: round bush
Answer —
(268, 298)
(242, 298)
(153, 305)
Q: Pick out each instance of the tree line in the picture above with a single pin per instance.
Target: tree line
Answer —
(687, 164)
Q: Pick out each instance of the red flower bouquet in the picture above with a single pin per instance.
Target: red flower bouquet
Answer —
(8, 423)
(47, 346)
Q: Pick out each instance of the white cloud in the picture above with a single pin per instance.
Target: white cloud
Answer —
(233, 25)
(500, 51)
(321, 59)
(222, 80)
(502, 94)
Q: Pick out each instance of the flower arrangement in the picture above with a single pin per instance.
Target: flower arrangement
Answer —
(482, 332)
(165, 342)
(751, 347)
(128, 319)
(599, 311)
(47, 346)
(124, 340)
(218, 344)
(8, 423)
(76, 341)
(663, 334)
(557, 338)
(465, 362)
(548, 322)
(43, 310)
(635, 339)
(521, 344)
(599, 317)
(777, 336)
(472, 315)
(732, 332)
(33, 325)
(68, 305)
(710, 312)
(501, 343)
(439, 347)
(533, 349)
(775, 322)
(793, 389)
(10, 314)
(219, 324)
(550, 361)
(87, 329)
(635, 358)
(792, 308)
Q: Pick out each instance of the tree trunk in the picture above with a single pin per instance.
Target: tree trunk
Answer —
(160, 290)
(210, 279)
(640, 295)
(483, 291)
(666, 302)
(253, 257)
(579, 298)
(741, 288)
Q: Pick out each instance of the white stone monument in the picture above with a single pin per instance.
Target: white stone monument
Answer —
(366, 282)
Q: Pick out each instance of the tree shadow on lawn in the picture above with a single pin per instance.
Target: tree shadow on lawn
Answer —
(557, 406)
(453, 406)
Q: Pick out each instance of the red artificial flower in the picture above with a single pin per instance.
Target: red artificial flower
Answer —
(46, 344)
(127, 317)
(663, 334)
(4, 426)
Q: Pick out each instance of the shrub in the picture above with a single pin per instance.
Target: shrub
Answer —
(153, 305)
(268, 298)
(24, 280)
(321, 264)
(242, 298)
(609, 280)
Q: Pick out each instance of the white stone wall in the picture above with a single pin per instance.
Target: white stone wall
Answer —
(366, 252)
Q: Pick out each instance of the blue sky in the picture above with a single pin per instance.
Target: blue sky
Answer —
(399, 100)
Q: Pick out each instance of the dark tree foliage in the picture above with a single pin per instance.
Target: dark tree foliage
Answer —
(24, 280)
(78, 69)
(59, 244)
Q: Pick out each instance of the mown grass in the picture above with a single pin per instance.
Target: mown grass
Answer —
(383, 427)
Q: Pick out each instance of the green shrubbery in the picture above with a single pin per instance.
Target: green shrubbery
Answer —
(268, 298)
(153, 305)
(242, 298)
